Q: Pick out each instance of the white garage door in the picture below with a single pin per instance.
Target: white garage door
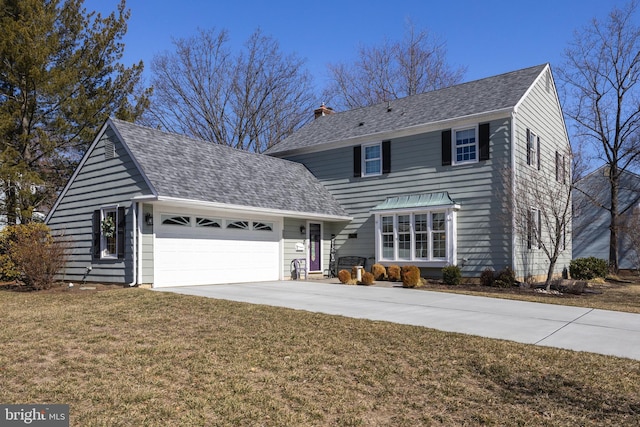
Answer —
(202, 250)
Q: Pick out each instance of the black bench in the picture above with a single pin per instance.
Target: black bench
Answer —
(347, 262)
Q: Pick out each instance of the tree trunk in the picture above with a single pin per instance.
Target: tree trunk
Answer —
(614, 179)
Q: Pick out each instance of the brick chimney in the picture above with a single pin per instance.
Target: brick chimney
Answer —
(322, 111)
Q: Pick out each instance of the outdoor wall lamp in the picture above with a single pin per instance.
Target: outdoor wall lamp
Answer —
(303, 229)
(148, 218)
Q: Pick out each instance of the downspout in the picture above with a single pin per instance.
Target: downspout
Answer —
(134, 253)
(139, 248)
(514, 145)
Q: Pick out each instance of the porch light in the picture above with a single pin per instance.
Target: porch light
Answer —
(303, 229)
(148, 218)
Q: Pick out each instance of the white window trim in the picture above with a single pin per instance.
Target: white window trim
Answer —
(450, 230)
(454, 150)
(363, 167)
(103, 239)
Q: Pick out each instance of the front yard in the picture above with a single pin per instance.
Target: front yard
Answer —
(131, 357)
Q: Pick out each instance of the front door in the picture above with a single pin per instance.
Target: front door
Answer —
(314, 247)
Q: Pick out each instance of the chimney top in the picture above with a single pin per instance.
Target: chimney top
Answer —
(322, 111)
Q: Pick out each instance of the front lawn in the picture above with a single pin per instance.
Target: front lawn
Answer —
(133, 357)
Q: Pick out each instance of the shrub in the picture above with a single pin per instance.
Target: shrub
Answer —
(30, 254)
(410, 276)
(344, 276)
(487, 277)
(451, 275)
(506, 278)
(587, 268)
(393, 273)
(379, 272)
(367, 279)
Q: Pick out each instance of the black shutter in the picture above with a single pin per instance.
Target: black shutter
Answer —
(528, 147)
(484, 141)
(95, 230)
(120, 233)
(357, 161)
(446, 147)
(538, 153)
(386, 156)
(558, 167)
(539, 229)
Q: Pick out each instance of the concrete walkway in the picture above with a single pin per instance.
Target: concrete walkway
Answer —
(574, 328)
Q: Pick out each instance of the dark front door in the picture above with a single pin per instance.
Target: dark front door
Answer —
(314, 247)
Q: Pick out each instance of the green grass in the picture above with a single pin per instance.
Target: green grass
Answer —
(132, 357)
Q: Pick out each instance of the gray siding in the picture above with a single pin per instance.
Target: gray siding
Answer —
(100, 182)
(541, 113)
(416, 167)
(291, 237)
(147, 247)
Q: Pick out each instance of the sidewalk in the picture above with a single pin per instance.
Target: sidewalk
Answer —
(574, 328)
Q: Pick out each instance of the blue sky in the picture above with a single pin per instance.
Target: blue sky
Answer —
(488, 37)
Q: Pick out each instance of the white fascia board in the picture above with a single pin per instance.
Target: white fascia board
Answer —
(177, 202)
(408, 131)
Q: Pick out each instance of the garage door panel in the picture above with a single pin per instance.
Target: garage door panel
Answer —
(203, 257)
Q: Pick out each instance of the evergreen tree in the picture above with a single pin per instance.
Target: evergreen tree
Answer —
(60, 79)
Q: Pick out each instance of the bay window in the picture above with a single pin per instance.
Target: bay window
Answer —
(422, 237)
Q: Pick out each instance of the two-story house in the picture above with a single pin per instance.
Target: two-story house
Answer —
(428, 180)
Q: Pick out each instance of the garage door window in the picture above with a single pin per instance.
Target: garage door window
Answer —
(208, 222)
(176, 220)
(262, 226)
(238, 225)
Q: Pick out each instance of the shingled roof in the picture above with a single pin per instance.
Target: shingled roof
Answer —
(184, 168)
(490, 94)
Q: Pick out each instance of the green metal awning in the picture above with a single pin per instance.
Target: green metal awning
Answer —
(413, 201)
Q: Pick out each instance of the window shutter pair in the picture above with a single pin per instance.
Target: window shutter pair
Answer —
(97, 233)
(484, 137)
(529, 161)
(386, 159)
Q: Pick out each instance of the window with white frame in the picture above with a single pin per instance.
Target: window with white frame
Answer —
(420, 237)
(465, 146)
(109, 228)
(371, 159)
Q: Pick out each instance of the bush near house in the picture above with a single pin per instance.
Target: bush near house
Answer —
(344, 276)
(505, 278)
(588, 268)
(30, 255)
(379, 271)
(367, 279)
(411, 276)
(487, 277)
(393, 273)
(451, 274)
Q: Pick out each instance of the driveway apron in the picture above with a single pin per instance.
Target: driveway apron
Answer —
(573, 328)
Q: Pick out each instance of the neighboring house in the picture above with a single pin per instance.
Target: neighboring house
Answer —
(425, 180)
(591, 220)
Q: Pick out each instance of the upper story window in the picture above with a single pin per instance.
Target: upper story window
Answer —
(561, 171)
(372, 159)
(533, 149)
(465, 146)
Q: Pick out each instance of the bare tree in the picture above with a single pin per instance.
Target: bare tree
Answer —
(392, 70)
(543, 210)
(601, 77)
(249, 100)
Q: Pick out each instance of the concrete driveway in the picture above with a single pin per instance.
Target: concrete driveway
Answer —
(574, 328)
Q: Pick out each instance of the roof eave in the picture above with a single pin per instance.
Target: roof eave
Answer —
(243, 209)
